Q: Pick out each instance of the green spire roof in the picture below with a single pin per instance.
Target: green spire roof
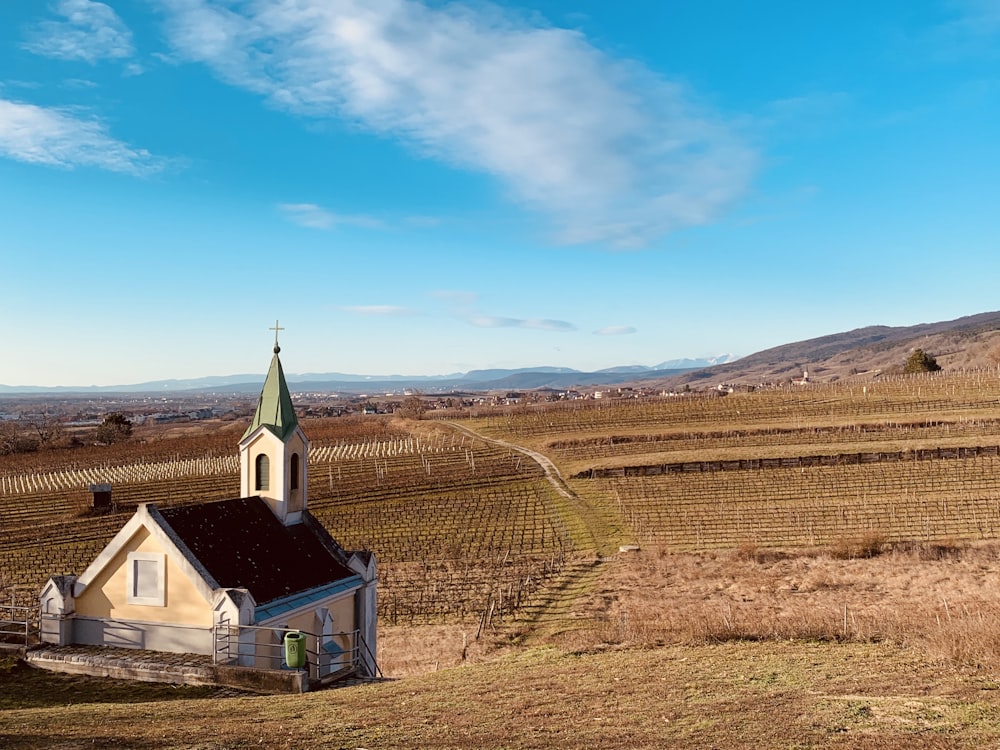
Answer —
(275, 410)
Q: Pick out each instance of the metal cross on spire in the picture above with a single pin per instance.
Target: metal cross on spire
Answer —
(276, 329)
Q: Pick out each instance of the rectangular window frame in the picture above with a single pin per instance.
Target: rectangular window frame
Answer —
(131, 581)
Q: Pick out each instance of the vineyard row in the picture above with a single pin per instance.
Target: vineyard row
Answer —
(812, 505)
(961, 394)
(836, 459)
(138, 472)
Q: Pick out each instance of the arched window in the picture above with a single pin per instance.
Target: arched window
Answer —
(294, 481)
(263, 467)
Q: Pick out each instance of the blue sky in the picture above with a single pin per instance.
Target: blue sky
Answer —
(434, 187)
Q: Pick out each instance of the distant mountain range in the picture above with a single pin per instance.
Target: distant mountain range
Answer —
(334, 382)
(969, 342)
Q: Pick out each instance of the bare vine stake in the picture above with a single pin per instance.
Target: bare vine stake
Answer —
(482, 622)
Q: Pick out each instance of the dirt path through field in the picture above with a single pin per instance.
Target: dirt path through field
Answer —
(603, 533)
(551, 472)
(555, 610)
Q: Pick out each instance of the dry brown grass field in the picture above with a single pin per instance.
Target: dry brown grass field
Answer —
(732, 695)
(848, 603)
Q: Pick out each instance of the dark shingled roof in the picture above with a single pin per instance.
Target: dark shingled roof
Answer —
(242, 544)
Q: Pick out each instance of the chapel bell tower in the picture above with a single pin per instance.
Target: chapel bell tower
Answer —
(274, 450)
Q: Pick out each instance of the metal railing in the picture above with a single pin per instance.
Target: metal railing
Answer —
(19, 624)
(264, 648)
(326, 655)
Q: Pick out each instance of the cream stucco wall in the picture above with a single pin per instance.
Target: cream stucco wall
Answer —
(296, 497)
(279, 495)
(106, 595)
(266, 443)
(342, 610)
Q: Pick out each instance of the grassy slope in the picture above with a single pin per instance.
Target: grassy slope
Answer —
(747, 694)
(732, 695)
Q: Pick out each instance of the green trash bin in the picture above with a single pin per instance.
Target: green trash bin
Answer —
(295, 650)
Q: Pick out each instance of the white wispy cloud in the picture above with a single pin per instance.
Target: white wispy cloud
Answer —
(79, 83)
(307, 215)
(615, 330)
(316, 217)
(378, 310)
(90, 31)
(969, 31)
(62, 138)
(611, 151)
(462, 307)
(541, 324)
(463, 304)
(975, 17)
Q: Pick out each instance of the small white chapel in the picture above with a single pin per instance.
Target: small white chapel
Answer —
(230, 578)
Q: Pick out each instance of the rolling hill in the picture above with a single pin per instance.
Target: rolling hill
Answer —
(968, 342)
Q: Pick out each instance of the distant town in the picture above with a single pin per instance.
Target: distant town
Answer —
(28, 422)
(84, 410)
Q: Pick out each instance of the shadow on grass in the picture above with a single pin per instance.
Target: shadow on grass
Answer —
(22, 686)
(46, 742)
